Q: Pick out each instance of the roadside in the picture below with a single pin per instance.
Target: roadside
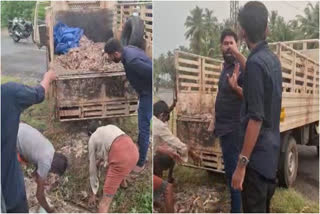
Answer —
(303, 197)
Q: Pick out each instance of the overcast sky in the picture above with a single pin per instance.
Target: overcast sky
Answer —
(169, 18)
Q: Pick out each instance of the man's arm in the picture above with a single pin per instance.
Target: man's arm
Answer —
(40, 194)
(239, 57)
(166, 151)
(94, 182)
(255, 100)
(174, 142)
(47, 79)
(27, 96)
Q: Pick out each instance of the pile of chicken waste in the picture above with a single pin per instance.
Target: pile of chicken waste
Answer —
(88, 56)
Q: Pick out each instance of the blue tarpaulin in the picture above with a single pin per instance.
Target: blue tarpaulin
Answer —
(65, 38)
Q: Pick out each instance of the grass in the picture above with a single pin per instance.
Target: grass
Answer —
(5, 79)
(290, 201)
(283, 201)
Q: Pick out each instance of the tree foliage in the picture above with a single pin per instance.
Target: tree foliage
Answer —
(23, 9)
(203, 30)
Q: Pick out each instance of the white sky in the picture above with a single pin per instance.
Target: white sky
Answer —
(169, 18)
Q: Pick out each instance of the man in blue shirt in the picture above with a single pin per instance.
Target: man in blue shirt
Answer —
(226, 119)
(15, 98)
(138, 68)
(256, 171)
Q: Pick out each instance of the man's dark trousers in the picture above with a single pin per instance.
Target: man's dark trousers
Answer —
(230, 150)
(257, 192)
(144, 117)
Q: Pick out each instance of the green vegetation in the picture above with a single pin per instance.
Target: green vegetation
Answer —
(23, 9)
(290, 201)
(203, 30)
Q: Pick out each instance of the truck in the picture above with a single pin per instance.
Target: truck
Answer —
(83, 94)
(197, 87)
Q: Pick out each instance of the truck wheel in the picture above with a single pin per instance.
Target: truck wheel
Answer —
(288, 163)
(133, 33)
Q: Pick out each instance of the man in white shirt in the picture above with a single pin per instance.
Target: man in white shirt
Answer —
(163, 138)
(109, 145)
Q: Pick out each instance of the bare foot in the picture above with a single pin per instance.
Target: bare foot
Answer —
(124, 183)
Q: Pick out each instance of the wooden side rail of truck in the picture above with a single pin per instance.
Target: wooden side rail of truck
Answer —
(197, 87)
(91, 94)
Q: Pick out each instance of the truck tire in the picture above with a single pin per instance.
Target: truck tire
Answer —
(133, 33)
(288, 162)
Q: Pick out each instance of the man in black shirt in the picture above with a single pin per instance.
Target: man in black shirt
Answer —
(227, 109)
(255, 174)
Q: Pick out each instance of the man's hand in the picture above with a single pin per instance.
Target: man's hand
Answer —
(234, 50)
(233, 80)
(238, 177)
(51, 75)
(47, 79)
(196, 158)
(92, 202)
(175, 157)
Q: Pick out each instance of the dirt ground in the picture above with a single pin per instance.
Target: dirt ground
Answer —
(197, 191)
(70, 193)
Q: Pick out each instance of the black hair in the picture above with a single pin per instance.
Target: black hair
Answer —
(253, 18)
(228, 32)
(92, 127)
(112, 45)
(160, 107)
(59, 163)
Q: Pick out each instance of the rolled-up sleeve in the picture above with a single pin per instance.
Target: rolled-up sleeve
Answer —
(27, 96)
(172, 141)
(255, 91)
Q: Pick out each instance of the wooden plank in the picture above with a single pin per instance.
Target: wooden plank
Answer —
(286, 75)
(190, 77)
(286, 66)
(147, 18)
(189, 84)
(299, 79)
(216, 67)
(188, 61)
(193, 70)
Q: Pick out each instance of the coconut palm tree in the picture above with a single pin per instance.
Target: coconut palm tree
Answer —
(195, 29)
(309, 23)
(210, 40)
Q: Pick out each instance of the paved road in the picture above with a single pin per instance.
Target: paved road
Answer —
(307, 181)
(23, 59)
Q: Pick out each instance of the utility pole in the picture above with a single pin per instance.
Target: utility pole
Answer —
(234, 9)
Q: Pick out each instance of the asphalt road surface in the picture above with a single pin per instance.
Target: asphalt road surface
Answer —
(22, 59)
(307, 182)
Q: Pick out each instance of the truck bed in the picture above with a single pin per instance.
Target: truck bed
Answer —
(197, 87)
